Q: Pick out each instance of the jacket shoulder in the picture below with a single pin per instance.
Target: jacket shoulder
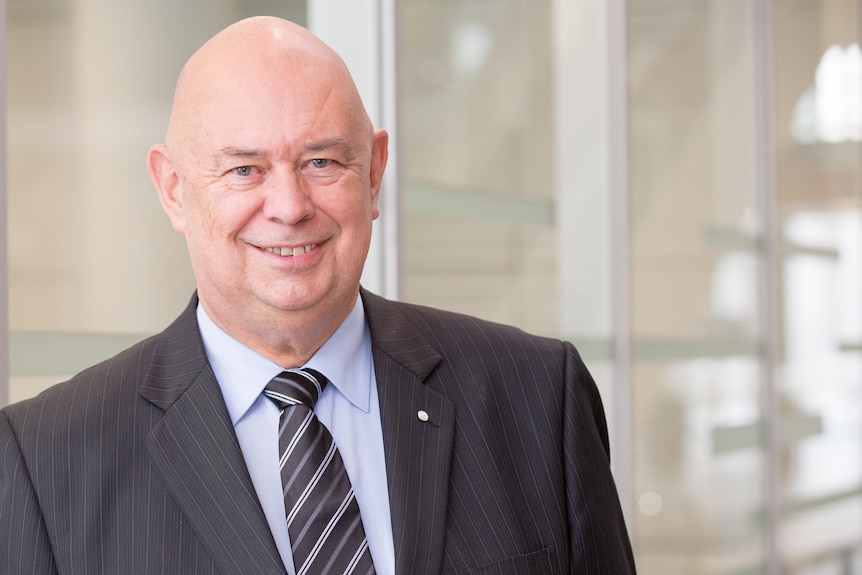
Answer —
(445, 329)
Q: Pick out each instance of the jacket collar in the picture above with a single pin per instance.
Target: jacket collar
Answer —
(418, 429)
(194, 449)
(219, 500)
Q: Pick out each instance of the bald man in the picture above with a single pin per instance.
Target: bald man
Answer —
(461, 446)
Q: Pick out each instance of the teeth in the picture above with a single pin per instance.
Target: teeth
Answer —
(285, 251)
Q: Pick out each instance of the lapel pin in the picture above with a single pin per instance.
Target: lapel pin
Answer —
(423, 416)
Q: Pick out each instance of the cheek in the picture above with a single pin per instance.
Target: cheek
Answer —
(201, 221)
(224, 217)
(349, 208)
(358, 218)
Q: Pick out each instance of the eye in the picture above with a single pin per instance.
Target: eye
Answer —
(320, 163)
(243, 171)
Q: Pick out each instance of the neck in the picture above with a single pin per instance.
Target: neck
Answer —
(288, 338)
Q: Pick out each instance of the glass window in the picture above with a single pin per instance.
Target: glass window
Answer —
(505, 196)
(695, 268)
(818, 98)
(93, 262)
(505, 168)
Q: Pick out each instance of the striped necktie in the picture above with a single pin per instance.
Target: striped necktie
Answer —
(323, 519)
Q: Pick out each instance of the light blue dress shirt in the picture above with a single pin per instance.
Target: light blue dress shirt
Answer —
(348, 407)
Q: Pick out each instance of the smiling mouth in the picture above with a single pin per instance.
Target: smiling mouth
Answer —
(290, 252)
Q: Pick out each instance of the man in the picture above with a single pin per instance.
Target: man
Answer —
(469, 447)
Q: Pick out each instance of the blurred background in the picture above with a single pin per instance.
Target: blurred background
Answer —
(673, 185)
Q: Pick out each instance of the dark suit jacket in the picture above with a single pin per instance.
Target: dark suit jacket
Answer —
(133, 465)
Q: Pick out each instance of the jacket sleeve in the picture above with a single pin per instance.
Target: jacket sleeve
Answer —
(599, 542)
(24, 543)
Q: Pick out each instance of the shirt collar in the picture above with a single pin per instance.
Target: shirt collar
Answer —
(242, 373)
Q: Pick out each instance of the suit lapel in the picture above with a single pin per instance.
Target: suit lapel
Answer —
(418, 427)
(195, 450)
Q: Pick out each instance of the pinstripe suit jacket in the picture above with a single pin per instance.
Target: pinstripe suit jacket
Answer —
(133, 465)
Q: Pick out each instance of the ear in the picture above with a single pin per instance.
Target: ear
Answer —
(167, 183)
(379, 157)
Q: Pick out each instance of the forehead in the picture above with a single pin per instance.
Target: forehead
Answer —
(291, 90)
(257, 117)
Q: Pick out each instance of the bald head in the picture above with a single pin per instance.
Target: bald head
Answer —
(271, 170)
(257, 57)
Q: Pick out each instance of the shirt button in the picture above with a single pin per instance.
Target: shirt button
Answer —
(423, 416)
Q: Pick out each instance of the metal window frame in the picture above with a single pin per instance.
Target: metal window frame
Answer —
(621, 260)
(389, 112)
(764, 71)
(4, 219)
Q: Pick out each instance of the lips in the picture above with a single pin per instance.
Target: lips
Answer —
(285, 251)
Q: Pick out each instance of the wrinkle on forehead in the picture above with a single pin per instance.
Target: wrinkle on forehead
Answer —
(262, 54)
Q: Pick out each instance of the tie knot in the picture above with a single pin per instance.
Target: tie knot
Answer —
(296, 386)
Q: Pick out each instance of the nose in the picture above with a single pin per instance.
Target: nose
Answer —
(288, 199)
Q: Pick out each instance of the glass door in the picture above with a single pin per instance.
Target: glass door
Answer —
(818, 129)
(696, 264)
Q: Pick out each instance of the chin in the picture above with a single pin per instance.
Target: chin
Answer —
(297, 302)
(296, 298)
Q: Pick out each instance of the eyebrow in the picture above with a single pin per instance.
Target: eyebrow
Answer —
(309, 146)
(233, 152)
(328, 144)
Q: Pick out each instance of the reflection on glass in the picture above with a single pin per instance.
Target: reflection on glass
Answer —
(697, 261)
(695, 267)
(829, 111)
(819, 121)
(478, 160)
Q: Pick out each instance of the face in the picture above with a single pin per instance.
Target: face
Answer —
(275, 187)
